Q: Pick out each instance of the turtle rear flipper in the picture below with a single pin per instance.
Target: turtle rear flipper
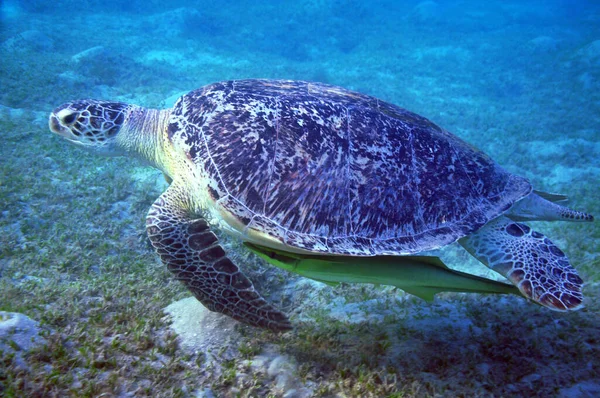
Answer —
(192, 253)
(530, 261)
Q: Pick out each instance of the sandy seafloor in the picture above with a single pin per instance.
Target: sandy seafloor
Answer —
(518, 79)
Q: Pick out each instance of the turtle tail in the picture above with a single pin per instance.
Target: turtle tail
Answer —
(540, 206)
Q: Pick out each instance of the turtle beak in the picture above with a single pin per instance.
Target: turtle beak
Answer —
(53, 124)
(56, 127)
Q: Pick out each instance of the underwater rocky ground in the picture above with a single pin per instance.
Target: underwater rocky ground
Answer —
(87, 308)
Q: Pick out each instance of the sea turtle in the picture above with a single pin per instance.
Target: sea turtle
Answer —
(310, 168)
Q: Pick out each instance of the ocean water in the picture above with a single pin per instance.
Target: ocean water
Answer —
(519, 80)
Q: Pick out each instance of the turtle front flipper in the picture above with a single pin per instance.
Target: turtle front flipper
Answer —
(529, 260)
(192, 253)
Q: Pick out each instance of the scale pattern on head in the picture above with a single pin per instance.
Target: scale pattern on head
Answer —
(330, 170)
(89, 122)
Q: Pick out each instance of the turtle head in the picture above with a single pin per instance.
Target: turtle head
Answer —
(114, 129)
(91, 124)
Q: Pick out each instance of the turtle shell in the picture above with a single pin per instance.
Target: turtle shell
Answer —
(320, 168)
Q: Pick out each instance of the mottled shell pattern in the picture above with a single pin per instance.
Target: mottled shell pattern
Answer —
(324, 169)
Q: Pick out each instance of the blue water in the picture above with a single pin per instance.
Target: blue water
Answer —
(527, 69)
(518, 79)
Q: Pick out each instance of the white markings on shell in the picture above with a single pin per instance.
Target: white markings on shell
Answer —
(327, 170)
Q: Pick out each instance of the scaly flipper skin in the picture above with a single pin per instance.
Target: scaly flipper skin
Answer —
(530, 261)
(193, 254)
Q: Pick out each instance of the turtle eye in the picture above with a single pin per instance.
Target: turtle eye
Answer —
(70, 118)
